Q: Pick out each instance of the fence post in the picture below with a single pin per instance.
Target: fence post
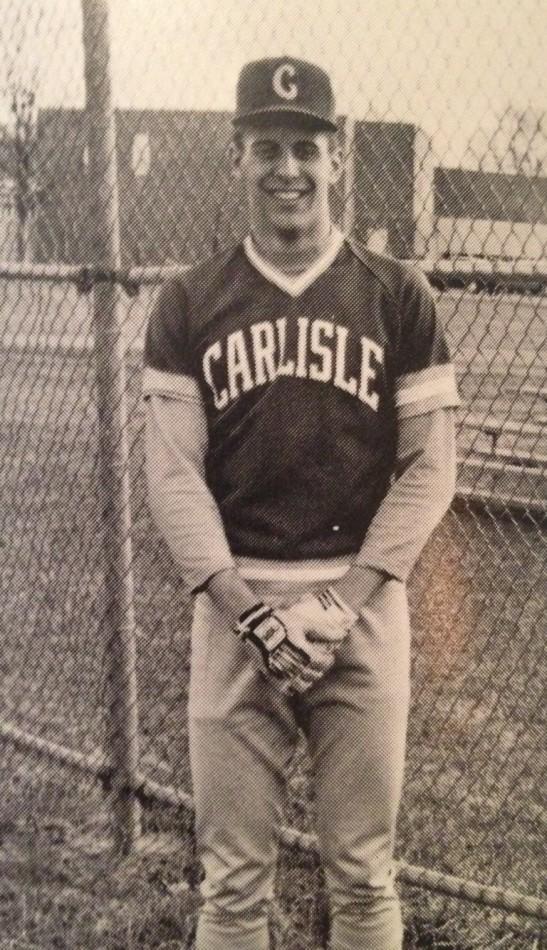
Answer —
(348, 217)
(112, 415)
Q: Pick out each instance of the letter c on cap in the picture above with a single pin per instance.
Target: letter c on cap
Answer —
(281, 81)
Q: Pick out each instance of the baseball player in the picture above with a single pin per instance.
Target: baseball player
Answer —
(300, 450)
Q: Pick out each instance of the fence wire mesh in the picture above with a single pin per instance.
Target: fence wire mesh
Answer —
(446, 164)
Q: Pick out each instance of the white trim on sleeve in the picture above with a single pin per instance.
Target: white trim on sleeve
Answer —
(157, 382)
(436, 382)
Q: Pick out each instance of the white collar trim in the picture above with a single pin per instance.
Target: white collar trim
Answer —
(294, 285)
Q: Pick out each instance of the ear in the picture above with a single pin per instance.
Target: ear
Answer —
(235, 153)
(337, 164)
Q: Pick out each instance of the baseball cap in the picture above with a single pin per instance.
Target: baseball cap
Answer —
(285, 87)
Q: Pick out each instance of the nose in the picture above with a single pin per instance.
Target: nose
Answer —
(287, 165)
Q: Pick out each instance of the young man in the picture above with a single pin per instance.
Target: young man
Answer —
(300, 450)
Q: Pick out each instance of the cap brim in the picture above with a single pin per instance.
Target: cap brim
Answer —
(285, 115)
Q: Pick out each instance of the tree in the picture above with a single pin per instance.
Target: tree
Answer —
(21, 45)
(24, 140)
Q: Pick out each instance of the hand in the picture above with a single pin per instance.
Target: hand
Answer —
(321, 618)
(295, 660)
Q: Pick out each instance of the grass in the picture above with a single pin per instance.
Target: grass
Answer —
(472, 804)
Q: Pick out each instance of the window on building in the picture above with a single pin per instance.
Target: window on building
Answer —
(140, 154)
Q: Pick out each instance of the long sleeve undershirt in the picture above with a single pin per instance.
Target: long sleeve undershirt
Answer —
(180, 501)
(188, 517)
(419, 496)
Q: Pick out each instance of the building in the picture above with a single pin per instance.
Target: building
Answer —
(489, 214)
(178, 201)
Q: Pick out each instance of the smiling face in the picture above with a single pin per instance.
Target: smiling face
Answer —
(287, 173)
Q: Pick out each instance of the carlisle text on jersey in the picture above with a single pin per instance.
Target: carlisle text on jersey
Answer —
(260, 354)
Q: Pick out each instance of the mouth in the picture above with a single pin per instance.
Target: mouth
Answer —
(287, 195)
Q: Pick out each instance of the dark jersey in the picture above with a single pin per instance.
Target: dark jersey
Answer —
(303, 381)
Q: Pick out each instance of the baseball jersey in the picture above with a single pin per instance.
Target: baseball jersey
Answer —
(303, 380)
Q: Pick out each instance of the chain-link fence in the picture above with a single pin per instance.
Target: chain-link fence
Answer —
(446, 164)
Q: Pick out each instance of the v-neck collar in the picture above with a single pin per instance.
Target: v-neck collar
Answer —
(297, 284)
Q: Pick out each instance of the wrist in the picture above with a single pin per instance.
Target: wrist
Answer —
(230, 594)
(359, 584)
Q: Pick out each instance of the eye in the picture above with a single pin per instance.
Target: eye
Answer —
(265, 151)
(305, 151)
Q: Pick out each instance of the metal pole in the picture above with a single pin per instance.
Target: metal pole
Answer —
(349, 176)
(112, 414)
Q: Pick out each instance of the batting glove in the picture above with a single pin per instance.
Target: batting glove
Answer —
(294, 661)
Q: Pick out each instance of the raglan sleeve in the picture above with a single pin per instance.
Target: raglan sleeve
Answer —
(176, 441)
(425, 376)
(167, 357)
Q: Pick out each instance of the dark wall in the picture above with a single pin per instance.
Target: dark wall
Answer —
(176, 212)
(61, 225)
(188, 204)
(461, 193)
(384, 183)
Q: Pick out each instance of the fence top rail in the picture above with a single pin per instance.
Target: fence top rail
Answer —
(132, 277)
(486, 266)
(494, 426)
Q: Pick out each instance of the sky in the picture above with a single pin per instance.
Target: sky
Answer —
(451, 66)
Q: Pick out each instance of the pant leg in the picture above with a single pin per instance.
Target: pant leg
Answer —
(242, 736)
(356, 722)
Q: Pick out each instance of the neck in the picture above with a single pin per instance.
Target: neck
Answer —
(292, 251)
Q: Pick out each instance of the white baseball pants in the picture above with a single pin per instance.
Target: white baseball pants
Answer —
(242, 738)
